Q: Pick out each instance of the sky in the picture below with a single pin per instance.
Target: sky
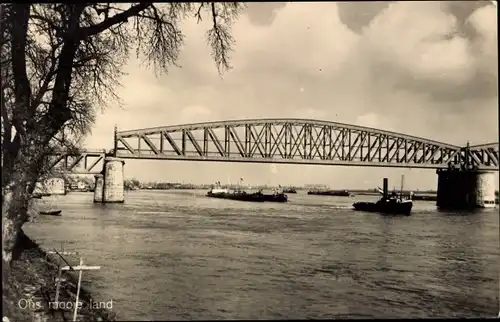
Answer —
(427, 69)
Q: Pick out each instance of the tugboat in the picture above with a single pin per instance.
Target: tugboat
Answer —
(393, 205)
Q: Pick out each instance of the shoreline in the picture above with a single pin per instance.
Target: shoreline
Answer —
(29, 292)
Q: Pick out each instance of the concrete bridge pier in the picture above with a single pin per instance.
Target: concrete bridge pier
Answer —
(465, 189)
(98, 188)
(109, 186)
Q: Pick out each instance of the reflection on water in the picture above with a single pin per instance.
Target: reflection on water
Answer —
(178, 255)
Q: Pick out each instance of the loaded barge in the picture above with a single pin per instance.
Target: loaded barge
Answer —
(337, 193)
(241, 195)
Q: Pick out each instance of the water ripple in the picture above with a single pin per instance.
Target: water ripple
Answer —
(179, 256)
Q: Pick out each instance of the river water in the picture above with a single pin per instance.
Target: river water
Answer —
(177, 255)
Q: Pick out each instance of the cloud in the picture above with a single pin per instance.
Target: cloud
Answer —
(419, 59)
(433, 58)
(426, 69)
(262, 13)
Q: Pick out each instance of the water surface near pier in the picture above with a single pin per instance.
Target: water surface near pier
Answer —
(177, 255)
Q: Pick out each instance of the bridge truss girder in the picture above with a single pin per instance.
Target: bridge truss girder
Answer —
(78, 162)
(296, 141)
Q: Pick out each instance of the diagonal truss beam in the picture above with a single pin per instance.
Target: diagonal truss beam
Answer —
(79, 162)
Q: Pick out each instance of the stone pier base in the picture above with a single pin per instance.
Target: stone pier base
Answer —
(465, 189)
(51, 186)
(99, 185)
(109, 187)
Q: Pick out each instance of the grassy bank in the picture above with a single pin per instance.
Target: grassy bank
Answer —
(31, 286)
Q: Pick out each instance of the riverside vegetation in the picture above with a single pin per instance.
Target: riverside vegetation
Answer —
(27, 294)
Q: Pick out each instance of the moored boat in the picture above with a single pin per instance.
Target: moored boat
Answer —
(51, 213)
(289, 190)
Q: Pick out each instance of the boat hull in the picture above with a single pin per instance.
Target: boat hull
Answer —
(249, 197)
(51, 213)
(279, 197)
(330, 193)
(391, 208)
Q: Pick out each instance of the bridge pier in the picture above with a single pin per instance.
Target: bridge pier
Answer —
(109, 186)
(465, 189)
(98, 188)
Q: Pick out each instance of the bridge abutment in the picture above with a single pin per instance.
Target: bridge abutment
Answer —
(465, 189)
(51, 186)
(109, 186)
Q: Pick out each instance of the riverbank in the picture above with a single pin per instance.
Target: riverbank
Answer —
(31, 286)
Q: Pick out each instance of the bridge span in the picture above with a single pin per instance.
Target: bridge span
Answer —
(464, 172)
(297, 141)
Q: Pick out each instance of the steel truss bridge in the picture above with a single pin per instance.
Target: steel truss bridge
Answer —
(79, 162)
(285, 141)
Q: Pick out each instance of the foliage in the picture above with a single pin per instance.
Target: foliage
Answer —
(59, 62)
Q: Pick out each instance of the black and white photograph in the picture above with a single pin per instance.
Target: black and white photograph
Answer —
(184, 161)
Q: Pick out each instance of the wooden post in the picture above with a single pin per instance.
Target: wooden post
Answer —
(58, 285)
(59, 272)
(78, 289)
(79, 268)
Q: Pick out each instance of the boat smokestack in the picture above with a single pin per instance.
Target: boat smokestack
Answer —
(386, 187)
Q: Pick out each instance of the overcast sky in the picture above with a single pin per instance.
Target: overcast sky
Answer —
(423, 68)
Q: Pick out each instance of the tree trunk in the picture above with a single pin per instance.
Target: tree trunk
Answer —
(14, 214)
(16, 197)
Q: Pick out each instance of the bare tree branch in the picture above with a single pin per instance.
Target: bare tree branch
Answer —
(61, 61)
(120, 17)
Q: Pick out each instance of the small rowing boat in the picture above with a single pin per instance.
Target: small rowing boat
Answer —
(51, 213)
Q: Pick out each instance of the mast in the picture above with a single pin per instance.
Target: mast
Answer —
(402, 183)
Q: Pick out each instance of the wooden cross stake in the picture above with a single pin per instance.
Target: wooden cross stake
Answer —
(80, 268)
(59, 272)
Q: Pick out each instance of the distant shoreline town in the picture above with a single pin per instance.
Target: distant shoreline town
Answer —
(84, 184)
(87, 184)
